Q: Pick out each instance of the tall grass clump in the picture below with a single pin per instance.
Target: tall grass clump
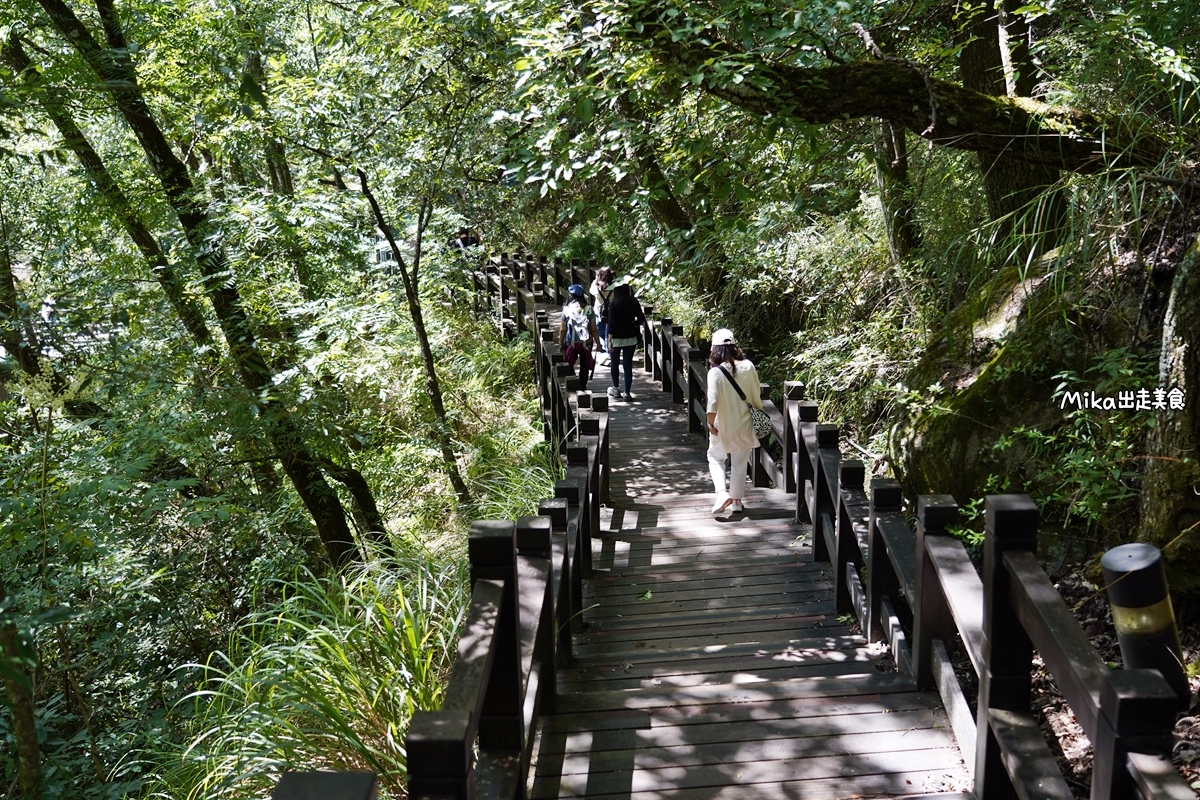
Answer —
(327, 678)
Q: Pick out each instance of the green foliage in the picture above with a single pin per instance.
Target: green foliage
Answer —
(1084, 471)
(138, 489)
(327, 678)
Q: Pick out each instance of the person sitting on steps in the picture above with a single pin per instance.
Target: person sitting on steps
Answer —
(577, 333)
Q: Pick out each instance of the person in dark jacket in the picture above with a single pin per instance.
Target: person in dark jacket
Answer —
(625, 319)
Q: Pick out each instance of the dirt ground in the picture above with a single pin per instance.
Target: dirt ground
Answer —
(1074, 751)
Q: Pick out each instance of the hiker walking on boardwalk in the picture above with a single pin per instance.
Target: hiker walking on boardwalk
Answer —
(601, 291)
(731, 432)
(625, 319)
(577, 333)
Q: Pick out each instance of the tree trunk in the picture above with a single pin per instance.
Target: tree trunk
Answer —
(1170, 503)
(708, 273)
(366, 511)
(18, 687)
(115, 71)
(895, 191)
(280, 174)
(432, 382)
(665, 207)
(1019, 194)
(53, 103)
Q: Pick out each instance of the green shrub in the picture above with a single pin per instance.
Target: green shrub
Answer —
(326, 679)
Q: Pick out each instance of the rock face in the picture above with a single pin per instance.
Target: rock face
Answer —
(993, 369)
(1169, 504)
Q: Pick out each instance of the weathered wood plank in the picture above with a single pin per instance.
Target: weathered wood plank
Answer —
(833, 686)
(740, 743)
(667, 778)
(763, 568)
(789, 620)
(716, 671)
(963, 591)
(722, 608)
(891, 785)
(663, 650)
(879, 707)
(650, 593)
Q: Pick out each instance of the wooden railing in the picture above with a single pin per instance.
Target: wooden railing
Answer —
(913, 587)
(527, 594)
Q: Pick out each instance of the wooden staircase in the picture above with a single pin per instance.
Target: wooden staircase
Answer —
(712, 663)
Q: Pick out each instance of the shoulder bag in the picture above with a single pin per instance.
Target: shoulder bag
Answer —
(758, 418)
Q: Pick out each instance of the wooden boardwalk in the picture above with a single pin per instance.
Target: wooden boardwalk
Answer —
(712, 664)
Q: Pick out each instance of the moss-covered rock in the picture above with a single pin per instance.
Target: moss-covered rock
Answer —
(992, 369)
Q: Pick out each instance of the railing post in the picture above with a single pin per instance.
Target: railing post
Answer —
(503, 273)
(662, 352)
(827, 439)
(535, 538)
(679, 349)
(760, 475)
(851, 478)
(648, 335)
(492, 550)
(881, 579)
(792, 391)
(596, 424)
(521, 309)
(559, 288)
(1137, 715)
(569, 490)
(577, 463)
(565, 611)
(931, 617)
(695, 367)
(806, 419)
(1010, 524)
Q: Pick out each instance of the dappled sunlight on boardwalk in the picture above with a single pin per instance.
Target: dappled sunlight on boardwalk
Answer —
(712, 663)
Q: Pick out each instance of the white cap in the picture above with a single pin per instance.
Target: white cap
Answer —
(723, 336)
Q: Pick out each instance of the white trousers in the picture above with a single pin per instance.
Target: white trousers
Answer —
(738, 461)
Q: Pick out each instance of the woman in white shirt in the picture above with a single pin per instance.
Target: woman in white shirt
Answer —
(730, 430)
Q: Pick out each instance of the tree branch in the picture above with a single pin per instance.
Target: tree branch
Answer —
(1035, 132)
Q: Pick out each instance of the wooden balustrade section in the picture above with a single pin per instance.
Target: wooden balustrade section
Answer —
(913, 587)
(526, 591)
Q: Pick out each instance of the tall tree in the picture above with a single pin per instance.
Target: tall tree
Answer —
(412, 295)
(112, 66)
(1170, 506)
(1020, 194)
(55, 105)
(945, 113)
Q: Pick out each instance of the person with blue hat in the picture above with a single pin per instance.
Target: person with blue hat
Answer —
(577, 333)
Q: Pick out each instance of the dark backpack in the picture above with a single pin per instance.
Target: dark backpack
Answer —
(605, 302)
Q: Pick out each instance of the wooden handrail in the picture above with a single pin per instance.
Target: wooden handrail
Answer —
(921, 594)
(527, 597)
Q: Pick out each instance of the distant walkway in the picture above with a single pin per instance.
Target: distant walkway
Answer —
(712, 664)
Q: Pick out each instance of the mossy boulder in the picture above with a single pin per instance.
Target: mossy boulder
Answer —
(993, 368)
